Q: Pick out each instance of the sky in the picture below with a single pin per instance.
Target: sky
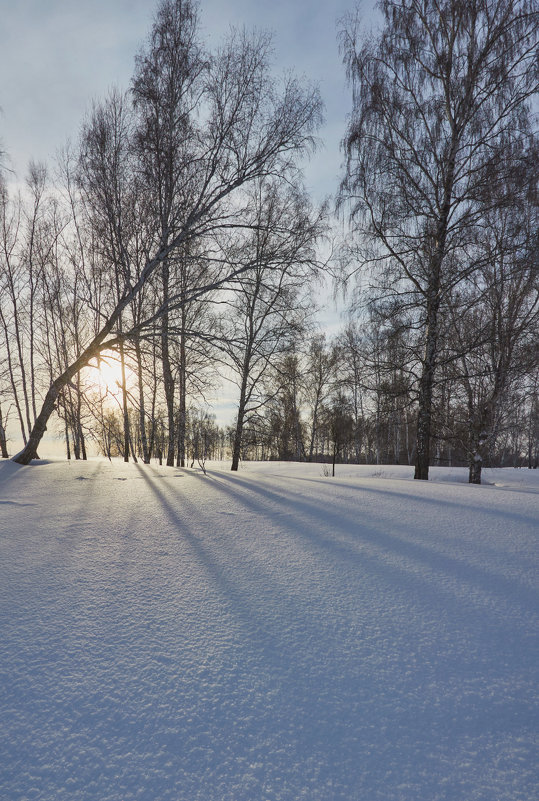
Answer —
(56, 56)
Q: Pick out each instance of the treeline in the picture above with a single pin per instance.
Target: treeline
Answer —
(176, 241)
(341, 401)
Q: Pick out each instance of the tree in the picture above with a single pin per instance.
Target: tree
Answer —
(242, 127)
(341, 426)
(285, 430)
(29, 230)
(532, 427)
(497, 336)
(440, 108)
(271, 300)
(3, 438)
(321, 370)
(166, 87)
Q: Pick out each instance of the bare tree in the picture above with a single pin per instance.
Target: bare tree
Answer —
(271, 300)
(352, 374)
(167, 85)
(242, 128)
(283, 422)
(340, 427)
(497, 335)
(440, 105)
(320, 368)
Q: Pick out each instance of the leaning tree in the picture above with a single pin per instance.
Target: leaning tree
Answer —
(229, 123)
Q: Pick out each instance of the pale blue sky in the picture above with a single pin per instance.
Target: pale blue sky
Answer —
(57, 55)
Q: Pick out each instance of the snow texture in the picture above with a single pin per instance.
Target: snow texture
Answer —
(270, 635)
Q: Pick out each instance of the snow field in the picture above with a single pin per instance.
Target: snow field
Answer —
(270, 635)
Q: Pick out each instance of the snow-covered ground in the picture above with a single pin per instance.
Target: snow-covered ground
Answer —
(270, 635)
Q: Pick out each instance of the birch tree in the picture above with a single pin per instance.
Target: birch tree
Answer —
(245, 124)
(440, 103)
(271, 300)
(166, 88)
(497, 335)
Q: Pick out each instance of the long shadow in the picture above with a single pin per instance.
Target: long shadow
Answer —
(457, 504)
(371, 731)
(467, 607)
(466, 612)
(349, 550)
(356, 532)
(259, 634)
(365, 490)
(530, 521)
(92, 489)
(350, 700)
(10, 470)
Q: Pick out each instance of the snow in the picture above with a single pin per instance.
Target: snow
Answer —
(270, 635)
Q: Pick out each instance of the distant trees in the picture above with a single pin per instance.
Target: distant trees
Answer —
(440, 119)
(29, 238)
(320, 380)
(282, 422)
(352, 375)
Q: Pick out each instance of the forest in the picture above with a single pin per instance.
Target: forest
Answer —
(174, 247)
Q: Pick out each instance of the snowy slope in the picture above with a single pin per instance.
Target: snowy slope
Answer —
(271, 635)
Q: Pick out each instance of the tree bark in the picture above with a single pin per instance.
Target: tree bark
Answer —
(480, 439)
(66, 433)
(29, 452)
(125, 411)
(238, 434)
(424, 415)
(142, 411)
(182, 380)
(3, 440)
(168, 378)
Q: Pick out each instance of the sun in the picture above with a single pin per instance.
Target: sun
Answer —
(106, 374)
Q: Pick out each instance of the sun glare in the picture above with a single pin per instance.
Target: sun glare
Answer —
(106, 374)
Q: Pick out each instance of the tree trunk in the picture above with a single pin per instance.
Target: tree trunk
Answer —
(125, 411)
(424, 414)
(476, 465)
(78, 423)
(29, 452)
(3, 440)
(142, 411)
(182, 416)
(153, 421)
(66, 432)
(83, 445)
(426, 384)
(314, 429)
(168, 379)
(481, 430)
(236, 448)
